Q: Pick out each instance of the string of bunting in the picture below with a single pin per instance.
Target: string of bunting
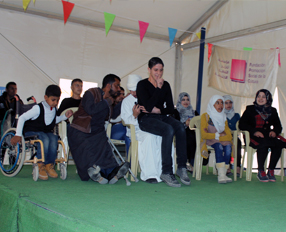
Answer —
(109, 18)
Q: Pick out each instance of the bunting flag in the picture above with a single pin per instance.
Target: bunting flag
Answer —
(247, 49)
(198, 35)
(172, 34)
(109, 18)
(210, 46)
(279, 61)
(34, 1)
(25, 4)
(242, 73)
(67, 7)
(142, 29)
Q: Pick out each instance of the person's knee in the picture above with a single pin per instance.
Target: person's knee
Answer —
(168, 130)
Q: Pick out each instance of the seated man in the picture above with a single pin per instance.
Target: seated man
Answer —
(149, 145)
(87, 136)
(8, 101)
(154, 93)
(74, 100)
(40, 121)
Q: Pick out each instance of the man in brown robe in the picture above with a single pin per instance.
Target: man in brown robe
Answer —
(87, 136)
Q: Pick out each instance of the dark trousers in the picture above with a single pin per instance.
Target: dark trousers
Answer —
(191, 145)
(238, 153)
(167, 127)
(275, 145)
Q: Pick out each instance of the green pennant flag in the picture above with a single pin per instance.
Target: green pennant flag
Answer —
(247, 49)
(108, 18)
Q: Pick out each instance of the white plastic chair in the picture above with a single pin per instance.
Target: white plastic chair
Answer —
(195, 124)
(133, 150)
(250, 152)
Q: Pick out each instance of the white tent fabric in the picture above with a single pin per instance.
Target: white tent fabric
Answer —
(30, 44)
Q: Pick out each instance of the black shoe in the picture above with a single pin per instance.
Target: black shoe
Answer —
(121, 172)
(152, 181)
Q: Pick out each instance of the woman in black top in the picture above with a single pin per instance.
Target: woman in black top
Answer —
(154, 94)
(263, 123)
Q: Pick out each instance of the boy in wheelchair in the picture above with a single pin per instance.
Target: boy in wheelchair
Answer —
(40, 121)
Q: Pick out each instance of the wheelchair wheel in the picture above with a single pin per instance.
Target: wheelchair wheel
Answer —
(35, 172)
(11, 157)
(63, 169)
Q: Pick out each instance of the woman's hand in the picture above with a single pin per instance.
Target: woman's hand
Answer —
(258, 134)
(188, 122)
(272, 134)
(160, 82)
(222, 134)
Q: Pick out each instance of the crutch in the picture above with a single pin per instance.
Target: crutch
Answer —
(120, 162)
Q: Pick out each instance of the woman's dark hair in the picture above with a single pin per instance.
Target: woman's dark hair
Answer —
(154, 61)
(53, 90)
(109, 79)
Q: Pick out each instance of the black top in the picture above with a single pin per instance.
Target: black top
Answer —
(252, 122)
(149, 96)
(5, 105)
(39, 123)
(68, 103)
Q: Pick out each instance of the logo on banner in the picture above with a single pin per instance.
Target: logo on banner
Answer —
(242, 73)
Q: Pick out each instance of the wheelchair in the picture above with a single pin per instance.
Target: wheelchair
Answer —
(12, 158)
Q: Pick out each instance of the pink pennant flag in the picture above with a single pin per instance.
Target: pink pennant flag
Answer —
(279, 61)
(67, 7)
(142, 29)
(209, 51)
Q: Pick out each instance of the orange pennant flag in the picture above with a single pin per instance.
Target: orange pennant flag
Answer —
(25, 4)
(142, 29)
(67, 7)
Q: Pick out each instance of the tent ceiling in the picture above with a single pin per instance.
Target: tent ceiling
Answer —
(178, 14)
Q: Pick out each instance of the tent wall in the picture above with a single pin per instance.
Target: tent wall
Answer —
(227, 20)
(36, 51)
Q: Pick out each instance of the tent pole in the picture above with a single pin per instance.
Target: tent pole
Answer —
(201, 66)
(178, 72)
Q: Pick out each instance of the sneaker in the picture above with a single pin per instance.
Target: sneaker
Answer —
(262, 176)
(170, 180)
(190, 168)
(94, 174)
(270, 175)
(182, 173)
(121, 172)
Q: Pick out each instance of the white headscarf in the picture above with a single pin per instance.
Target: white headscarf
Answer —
(229, 113)
(218, 118)
(132, 82)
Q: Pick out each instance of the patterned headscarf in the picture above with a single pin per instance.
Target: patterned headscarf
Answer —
(185, 112)
(265, 110)
(229, 113)
(218, 118)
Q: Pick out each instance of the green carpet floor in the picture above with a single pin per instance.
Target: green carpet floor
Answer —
(73, 205)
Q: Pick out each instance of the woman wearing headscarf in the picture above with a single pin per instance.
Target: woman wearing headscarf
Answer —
(215, 130)
(263, 123)
(185, 113)
(232, 119)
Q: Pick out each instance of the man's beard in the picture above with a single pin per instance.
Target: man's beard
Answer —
(113, 93)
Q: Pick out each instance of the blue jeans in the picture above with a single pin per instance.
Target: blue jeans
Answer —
(166, 127)
(222, 153)
(118, 131)
(50, 142)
